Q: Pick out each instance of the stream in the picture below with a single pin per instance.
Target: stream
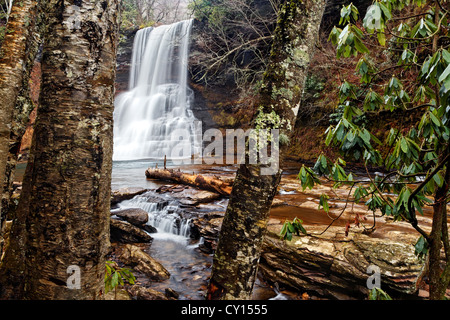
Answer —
(189, 267)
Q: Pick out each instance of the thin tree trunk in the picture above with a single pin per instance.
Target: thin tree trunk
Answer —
(440, 277)
(236, 259)
(64, 205)
(21, 115)
(13, 61)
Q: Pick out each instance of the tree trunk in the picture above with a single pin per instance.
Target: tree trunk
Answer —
(236, 259)
(440, 277)
(14, 54)
(21, 116)
(63, 215)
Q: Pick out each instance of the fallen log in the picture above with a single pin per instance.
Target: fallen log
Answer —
(195, 180)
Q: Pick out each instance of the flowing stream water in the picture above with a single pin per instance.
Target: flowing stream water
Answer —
(157, 104)
(172, 246)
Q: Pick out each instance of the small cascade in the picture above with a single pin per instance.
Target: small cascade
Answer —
(164, 215)
(158, 101)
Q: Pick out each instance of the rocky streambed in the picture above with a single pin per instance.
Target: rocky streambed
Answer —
(331, 262)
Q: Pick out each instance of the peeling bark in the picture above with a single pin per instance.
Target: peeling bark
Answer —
(21, 115)
(236, 259)
(17, 47)
(63, 214)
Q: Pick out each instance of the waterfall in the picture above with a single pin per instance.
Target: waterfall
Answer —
(159, 99)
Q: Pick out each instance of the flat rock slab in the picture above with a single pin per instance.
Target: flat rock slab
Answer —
(126, 194)
(188, 195)
(136, 216)
(125, 232)
(335, 265)
(133, 256)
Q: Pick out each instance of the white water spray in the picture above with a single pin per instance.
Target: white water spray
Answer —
(158, 101)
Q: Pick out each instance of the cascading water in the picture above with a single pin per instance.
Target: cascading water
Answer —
(158, 101)
(163, 214)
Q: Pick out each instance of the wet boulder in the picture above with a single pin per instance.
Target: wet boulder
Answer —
(336, 266)
(140, 261)
(135, 216)
(125, 194)
(124, 232)
(141, 293)
(208, 227)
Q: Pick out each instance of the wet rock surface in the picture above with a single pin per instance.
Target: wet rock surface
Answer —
(142, 293)
(124, 232)
(139, 260)
(335, 266)
(135, 216)
(331, 262)
(125, 194)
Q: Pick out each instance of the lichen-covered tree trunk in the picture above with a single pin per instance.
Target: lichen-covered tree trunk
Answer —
(62, 221)
(236, 259)
(21, 115)
(17, 47)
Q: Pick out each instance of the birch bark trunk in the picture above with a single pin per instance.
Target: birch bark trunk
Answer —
(17, 48)
(63, 215)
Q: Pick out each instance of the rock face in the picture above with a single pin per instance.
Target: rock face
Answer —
(208, 228)
(140, 261)
(124, 232)
(124, 54)
(193, 197)
(125, 194)
(142, 293)
(135, 216)
(331, 265)
(336, 266)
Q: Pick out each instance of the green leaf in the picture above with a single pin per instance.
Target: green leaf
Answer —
(445, 74)
(365, 136)
(283, 230)
(421, 247)
(378, 294)
(335, 35)
(446, 56)
(297, 223)
(115, 279)
(291, 227)
(360, 46)
(381, 38)
(324, 203)
(404, 145)
(373, 294)
(438, 179)
(302, 229)
(386, 11)
(288, 236)
(330, 134)
(435, 120)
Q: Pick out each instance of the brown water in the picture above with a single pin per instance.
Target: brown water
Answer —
(189, 267)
